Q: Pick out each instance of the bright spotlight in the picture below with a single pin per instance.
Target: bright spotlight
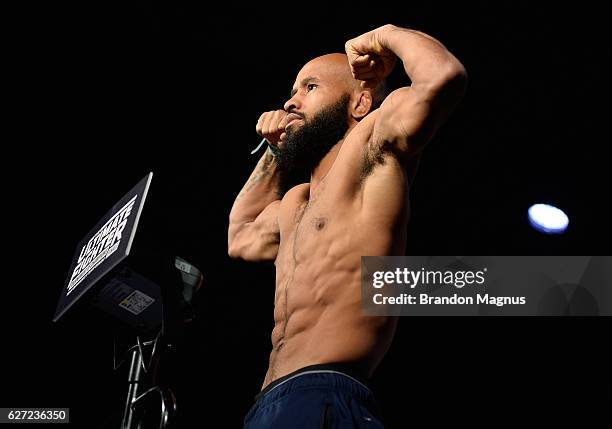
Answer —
(547, 219)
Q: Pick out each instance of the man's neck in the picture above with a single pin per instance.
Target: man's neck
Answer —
(321, 170)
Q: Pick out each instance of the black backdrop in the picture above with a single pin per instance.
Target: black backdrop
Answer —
(106, 93)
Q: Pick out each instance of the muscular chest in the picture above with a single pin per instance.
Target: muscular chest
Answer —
(307, 225)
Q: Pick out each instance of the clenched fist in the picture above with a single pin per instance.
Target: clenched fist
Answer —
(370, 60)
(271, 126)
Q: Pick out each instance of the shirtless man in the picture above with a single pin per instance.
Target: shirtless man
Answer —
(360, 159)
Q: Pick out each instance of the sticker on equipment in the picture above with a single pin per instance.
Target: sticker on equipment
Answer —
(136, 302)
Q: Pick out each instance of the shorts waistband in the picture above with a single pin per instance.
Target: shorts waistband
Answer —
(345, 370)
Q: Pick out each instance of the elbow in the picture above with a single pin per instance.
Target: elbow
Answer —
(237, 251)
(447, 84)
(251, 251)
(252, 243)
(453, 79)
(455, 69)
(252, 255)
(237, 248)
(234, 249)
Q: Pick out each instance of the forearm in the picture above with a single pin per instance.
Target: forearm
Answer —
(426, 61)
(261, 189)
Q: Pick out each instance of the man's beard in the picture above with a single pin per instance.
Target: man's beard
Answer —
(305, 147)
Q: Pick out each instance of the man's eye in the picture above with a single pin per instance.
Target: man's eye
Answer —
(311, 86)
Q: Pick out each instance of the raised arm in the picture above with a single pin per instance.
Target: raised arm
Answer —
(253, 232)
(410, 116)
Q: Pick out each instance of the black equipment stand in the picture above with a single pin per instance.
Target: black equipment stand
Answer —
(145, 290)
(144, 388)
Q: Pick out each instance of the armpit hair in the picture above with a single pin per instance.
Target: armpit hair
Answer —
(373, 155)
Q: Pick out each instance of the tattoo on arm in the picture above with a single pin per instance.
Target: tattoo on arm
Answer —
(262, 172)
(253, 181)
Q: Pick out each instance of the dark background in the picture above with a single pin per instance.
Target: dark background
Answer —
(108, 92)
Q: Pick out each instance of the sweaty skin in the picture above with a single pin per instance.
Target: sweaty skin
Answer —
(356, 203)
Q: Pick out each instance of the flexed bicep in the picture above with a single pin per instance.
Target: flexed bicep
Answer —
(410, 116)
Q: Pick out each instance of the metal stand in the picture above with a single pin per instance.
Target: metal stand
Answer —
(134, 379)
(144, 378)
(150, 402)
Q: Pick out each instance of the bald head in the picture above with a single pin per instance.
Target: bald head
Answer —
(336, 66)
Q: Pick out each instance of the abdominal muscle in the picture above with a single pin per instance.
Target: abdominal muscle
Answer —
(317, 313)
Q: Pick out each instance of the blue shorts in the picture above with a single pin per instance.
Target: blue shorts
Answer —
(314, 397)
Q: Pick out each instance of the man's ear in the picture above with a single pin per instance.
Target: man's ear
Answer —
(362, 104)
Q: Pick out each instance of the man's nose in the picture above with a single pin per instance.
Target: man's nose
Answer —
(291, 104)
